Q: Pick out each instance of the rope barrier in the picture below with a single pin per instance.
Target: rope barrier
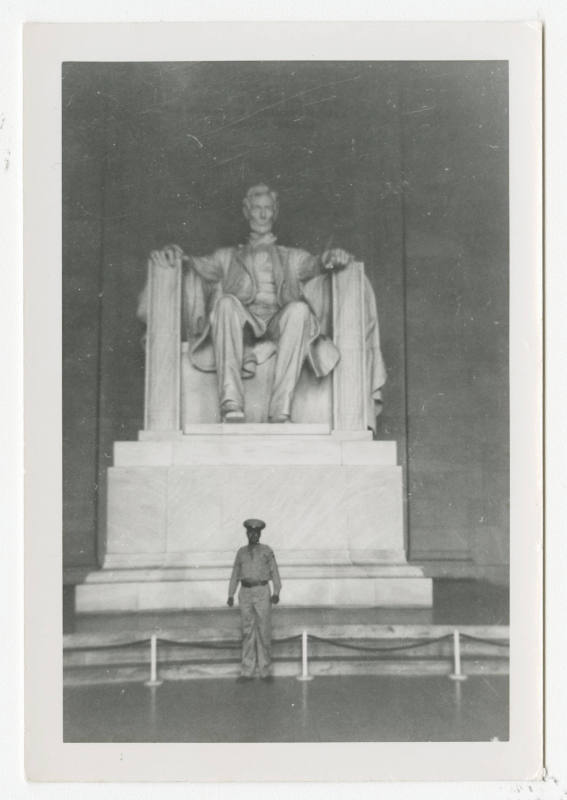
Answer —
(173, 643)
(229, 645)
(492, 642)
(288, 639)
(155, 640)
(413, 646)
(111, 646)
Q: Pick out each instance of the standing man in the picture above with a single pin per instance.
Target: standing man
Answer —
(254, 567)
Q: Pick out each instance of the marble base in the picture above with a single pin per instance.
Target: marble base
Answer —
(170, 514)
(332, 504)
(400, 586)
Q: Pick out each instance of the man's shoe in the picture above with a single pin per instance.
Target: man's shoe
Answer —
(267, 678)
(244, 678)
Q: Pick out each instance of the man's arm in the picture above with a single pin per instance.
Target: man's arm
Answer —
(275, 578)
(234, 578)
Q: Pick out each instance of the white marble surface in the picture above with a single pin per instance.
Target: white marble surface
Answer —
(253, 449)
(207, 567)
(163, 349)
(257, 429)
(137, 510)
(332, 504)
(181, 595)
(349, 379)
(179, 509)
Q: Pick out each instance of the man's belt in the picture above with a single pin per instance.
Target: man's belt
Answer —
(251, 584)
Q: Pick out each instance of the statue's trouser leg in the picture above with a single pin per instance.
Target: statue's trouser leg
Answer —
(263, 607)
(227, 322)
(291, 328)
(249, 631)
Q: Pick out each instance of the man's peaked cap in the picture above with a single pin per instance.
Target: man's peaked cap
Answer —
(254, 524)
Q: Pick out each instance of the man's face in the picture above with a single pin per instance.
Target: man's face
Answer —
(253, 536)
(260, 213)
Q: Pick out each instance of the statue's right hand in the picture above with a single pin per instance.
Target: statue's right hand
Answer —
(173, 253)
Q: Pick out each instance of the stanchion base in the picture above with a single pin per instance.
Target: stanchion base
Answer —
(153, 683)
(304, 678)
(455, 677)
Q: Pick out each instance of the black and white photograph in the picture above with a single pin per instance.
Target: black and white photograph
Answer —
(285, 337)
(286, 400)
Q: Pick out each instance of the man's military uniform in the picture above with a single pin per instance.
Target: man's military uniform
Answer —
(254, 567)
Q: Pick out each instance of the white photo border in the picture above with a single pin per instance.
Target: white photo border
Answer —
(46, 47)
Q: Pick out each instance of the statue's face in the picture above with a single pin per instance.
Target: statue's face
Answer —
(253, 536)
(261, 213)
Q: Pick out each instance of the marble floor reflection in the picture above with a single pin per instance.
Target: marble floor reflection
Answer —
(343, 708)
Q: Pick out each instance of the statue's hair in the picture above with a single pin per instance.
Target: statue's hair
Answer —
(260, 190)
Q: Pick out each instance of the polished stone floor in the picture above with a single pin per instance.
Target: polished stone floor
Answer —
(342, 708)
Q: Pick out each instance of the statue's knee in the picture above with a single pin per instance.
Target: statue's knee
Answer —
(298, 311)
(227, 304)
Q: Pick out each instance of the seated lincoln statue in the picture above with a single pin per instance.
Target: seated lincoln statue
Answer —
(246, 304)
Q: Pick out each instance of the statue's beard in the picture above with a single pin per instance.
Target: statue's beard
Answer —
(261, 226)
(265, 238)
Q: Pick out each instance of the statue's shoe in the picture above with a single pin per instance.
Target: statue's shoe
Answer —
(279, 418)
(235, 415)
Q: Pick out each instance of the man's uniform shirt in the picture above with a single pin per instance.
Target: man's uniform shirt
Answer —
(256, 563)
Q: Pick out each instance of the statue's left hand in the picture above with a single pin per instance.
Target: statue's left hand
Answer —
(336, 259)
(170, 256)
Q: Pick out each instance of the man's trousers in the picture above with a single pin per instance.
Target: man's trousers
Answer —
(256, 620)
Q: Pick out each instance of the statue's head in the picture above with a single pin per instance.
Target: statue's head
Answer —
(260, 207)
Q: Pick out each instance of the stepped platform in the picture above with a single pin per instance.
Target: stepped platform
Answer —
(205, 643)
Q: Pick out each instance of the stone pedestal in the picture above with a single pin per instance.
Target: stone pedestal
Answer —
(331, 497)
(332, 503)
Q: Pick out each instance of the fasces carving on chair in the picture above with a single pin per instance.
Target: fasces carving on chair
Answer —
(265, 312)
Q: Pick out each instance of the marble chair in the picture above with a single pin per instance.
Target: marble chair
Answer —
(178, 396)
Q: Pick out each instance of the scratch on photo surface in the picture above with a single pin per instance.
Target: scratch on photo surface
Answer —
(323, 100)
(420, 110)
(199, 142)
(281, 102)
